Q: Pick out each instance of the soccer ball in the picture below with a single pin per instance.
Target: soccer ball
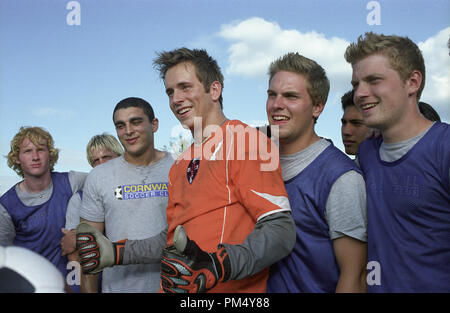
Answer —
(22, 270)
(118, 193)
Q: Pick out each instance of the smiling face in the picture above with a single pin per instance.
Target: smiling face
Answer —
(290, 107)
(34, 159)
(187, 95)
(380, 93)
(135, 132)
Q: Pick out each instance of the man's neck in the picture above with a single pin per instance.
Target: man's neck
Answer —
(299, 144)
(405, 129)
(208, 126)
(33, 184)
(149, 157)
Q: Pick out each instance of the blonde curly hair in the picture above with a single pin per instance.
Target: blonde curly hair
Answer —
(38, 136)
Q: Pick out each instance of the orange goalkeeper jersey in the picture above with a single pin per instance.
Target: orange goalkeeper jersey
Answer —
(219, 190)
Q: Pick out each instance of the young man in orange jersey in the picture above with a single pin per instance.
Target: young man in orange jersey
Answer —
(232, 206)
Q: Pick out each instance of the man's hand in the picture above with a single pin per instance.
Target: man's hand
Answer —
(187, 268)
(68, 241)
(96, 251)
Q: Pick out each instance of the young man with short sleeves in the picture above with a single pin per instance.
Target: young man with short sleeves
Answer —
(126, 198)
(33, 211)
(325, 188)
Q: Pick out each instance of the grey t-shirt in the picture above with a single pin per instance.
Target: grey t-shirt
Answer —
(131, 201)
(7, 229)
(346, 209)
(391, 152)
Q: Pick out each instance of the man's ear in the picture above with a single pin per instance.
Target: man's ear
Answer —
(215, 90)
(155, 124)
(317, 109)
(414, 82)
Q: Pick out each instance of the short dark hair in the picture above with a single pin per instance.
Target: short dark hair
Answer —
(428, 111)
(206, 68)
(133, 102)
(347, 99)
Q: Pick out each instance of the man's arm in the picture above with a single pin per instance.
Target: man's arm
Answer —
(89, 282)
(187, 268)
(7, 229)
(145, 251)
(351, 256)
(262, 193)
(107, 253)
(272, 239)
(346, 215)
(99, 226)
(77, 180)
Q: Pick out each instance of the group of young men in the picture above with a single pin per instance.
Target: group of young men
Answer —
(220, 218)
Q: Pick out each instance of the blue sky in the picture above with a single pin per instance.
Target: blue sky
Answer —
(68, 78)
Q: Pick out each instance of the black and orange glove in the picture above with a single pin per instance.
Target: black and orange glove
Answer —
(96, 251)
(187, 268)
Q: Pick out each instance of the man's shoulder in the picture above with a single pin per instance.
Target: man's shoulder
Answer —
(107, 166)
(168, 159)
(339, 158)
(105, 170)
(237, 126)
(369, 145)
(441, 130)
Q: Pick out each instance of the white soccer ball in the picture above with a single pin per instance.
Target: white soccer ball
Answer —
(22, 270)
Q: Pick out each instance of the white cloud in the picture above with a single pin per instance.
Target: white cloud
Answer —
(257, 42)
(437, 63)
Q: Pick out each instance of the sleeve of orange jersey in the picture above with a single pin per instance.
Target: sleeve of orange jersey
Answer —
(261, 191)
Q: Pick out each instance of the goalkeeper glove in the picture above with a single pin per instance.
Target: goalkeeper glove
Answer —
(96, 251)
(187, 268)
